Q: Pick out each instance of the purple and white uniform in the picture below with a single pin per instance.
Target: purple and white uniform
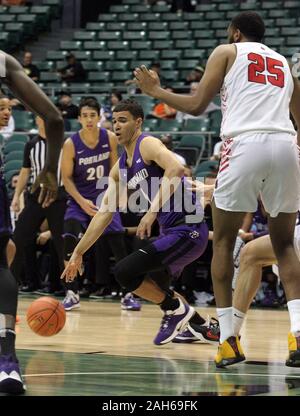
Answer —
(90, 166)
(179, 242)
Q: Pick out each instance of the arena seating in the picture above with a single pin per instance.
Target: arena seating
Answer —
(20, 23)
(130, 34)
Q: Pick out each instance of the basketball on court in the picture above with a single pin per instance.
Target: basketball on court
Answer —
(46, 316)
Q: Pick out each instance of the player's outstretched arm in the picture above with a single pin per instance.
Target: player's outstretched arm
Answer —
(209, 86)
(36, 101)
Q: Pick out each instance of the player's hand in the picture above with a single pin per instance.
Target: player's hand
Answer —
(48, 182)
(147, 80)
(198, 186)
(15, 204)
(195, 185)
(89, 207)
(73, 267)
(145, 225)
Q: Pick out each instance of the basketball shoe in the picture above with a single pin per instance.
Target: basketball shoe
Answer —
(229, 352)
(293, 359)
(129, 303)
(208, 333)
(10, 376)
(185, 337)
(71, 301)
(173, 322)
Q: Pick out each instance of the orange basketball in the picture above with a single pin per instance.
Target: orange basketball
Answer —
(46, 316)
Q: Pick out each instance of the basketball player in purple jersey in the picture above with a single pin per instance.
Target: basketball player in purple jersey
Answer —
(87, 158)
(180, 242)
(13, 75)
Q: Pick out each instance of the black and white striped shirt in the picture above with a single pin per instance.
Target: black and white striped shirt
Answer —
(35, 157)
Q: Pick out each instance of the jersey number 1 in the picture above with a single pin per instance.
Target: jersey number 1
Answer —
(259, 64)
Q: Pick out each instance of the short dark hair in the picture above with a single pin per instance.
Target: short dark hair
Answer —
(132, 106)
(89, 102)
(250, 24)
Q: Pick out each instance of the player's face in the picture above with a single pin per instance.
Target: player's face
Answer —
(5, 111)
(125, 126)
(89, 118)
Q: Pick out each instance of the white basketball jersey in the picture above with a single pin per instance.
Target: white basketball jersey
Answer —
(2, 65)
(256, 92)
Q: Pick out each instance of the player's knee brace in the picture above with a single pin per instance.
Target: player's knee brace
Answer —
(127, 275)
(70, 242)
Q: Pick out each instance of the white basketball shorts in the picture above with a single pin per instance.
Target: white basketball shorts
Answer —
(265, 164)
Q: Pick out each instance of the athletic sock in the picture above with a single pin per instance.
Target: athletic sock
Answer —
(237, 320)
(225, 320)
(72, 286)
(294, 311)
(169, 303)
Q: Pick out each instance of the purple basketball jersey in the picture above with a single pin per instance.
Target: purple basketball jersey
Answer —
(144, 179)
(90, 167)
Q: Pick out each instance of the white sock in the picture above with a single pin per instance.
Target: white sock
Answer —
(237, 319)
(294, 311)
(226, 325)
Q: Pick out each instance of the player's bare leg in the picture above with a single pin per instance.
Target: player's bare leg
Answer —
(226, 226)
(254, 256)
(282, 236)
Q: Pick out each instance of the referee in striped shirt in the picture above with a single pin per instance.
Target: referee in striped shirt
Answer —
(33, 214)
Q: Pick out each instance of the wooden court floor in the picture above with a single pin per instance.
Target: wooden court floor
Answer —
(104, 351)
